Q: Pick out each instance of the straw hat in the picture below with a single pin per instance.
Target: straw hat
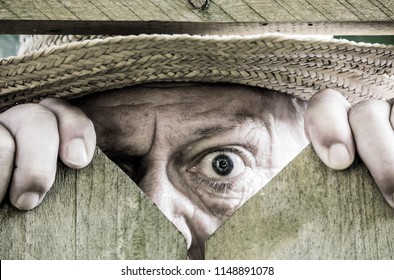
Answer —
(72, 66)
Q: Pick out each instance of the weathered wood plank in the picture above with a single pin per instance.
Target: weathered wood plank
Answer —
(310, 212)
(178, 10)
(366, 9)
(49, 9)
(47, 232)
(72, 16)
(94, 213)
(333, 11)
(239, 11)
(271, 10)
(152, 27)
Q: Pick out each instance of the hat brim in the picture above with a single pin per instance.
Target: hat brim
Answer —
(288, 64)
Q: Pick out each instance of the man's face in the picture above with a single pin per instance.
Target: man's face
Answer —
(197, 151)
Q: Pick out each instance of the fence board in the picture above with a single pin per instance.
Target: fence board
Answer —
(310, 212)
(218, 10)
(341, 17)
(94, 213)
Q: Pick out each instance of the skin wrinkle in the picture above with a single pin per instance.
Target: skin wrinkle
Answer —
(154, 133)
(203, 195)
(245, 193)
(267, 125)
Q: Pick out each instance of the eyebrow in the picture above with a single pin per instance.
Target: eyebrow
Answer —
(213, 130)
(240, 119)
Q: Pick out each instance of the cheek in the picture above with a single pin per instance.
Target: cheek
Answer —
(221, 206)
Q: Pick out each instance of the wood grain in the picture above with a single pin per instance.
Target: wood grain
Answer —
(342, 17)
(310, 212)
(94, 213)
(193, 28)
(183, 10)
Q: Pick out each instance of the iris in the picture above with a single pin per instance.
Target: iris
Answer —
(222, 165)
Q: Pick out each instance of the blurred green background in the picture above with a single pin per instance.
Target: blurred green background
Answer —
(9, 43)
(389, 39)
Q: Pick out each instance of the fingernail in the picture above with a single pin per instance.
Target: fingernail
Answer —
(76, 152)
(27, 200)
(339, 156)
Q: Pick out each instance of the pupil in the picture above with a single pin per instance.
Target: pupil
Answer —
(222, 164)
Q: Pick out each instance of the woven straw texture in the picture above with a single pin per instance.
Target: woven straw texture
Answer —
(56, 66)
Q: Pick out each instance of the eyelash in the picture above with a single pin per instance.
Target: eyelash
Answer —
(221, 187)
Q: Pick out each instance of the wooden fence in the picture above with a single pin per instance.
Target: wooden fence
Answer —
(94, 213)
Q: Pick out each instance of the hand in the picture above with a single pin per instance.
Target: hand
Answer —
(337, 130)
(33, 136)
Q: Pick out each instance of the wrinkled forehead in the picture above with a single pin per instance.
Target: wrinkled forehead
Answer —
(174, 115)
(187, 97)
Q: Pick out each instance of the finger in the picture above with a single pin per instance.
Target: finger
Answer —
(328, 129)
(374, 137)
(34, 129)
(7, 153)
(77, 134)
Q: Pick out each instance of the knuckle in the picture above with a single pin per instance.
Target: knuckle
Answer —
(70, 117)
(39, 112)
(31, 114)
(79, 124)
(48, 101)
(83, 122)
(325, 94)
(27, 115)
(366, 110)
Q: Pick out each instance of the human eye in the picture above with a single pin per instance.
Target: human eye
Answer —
(222, 169)
(220, 165)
